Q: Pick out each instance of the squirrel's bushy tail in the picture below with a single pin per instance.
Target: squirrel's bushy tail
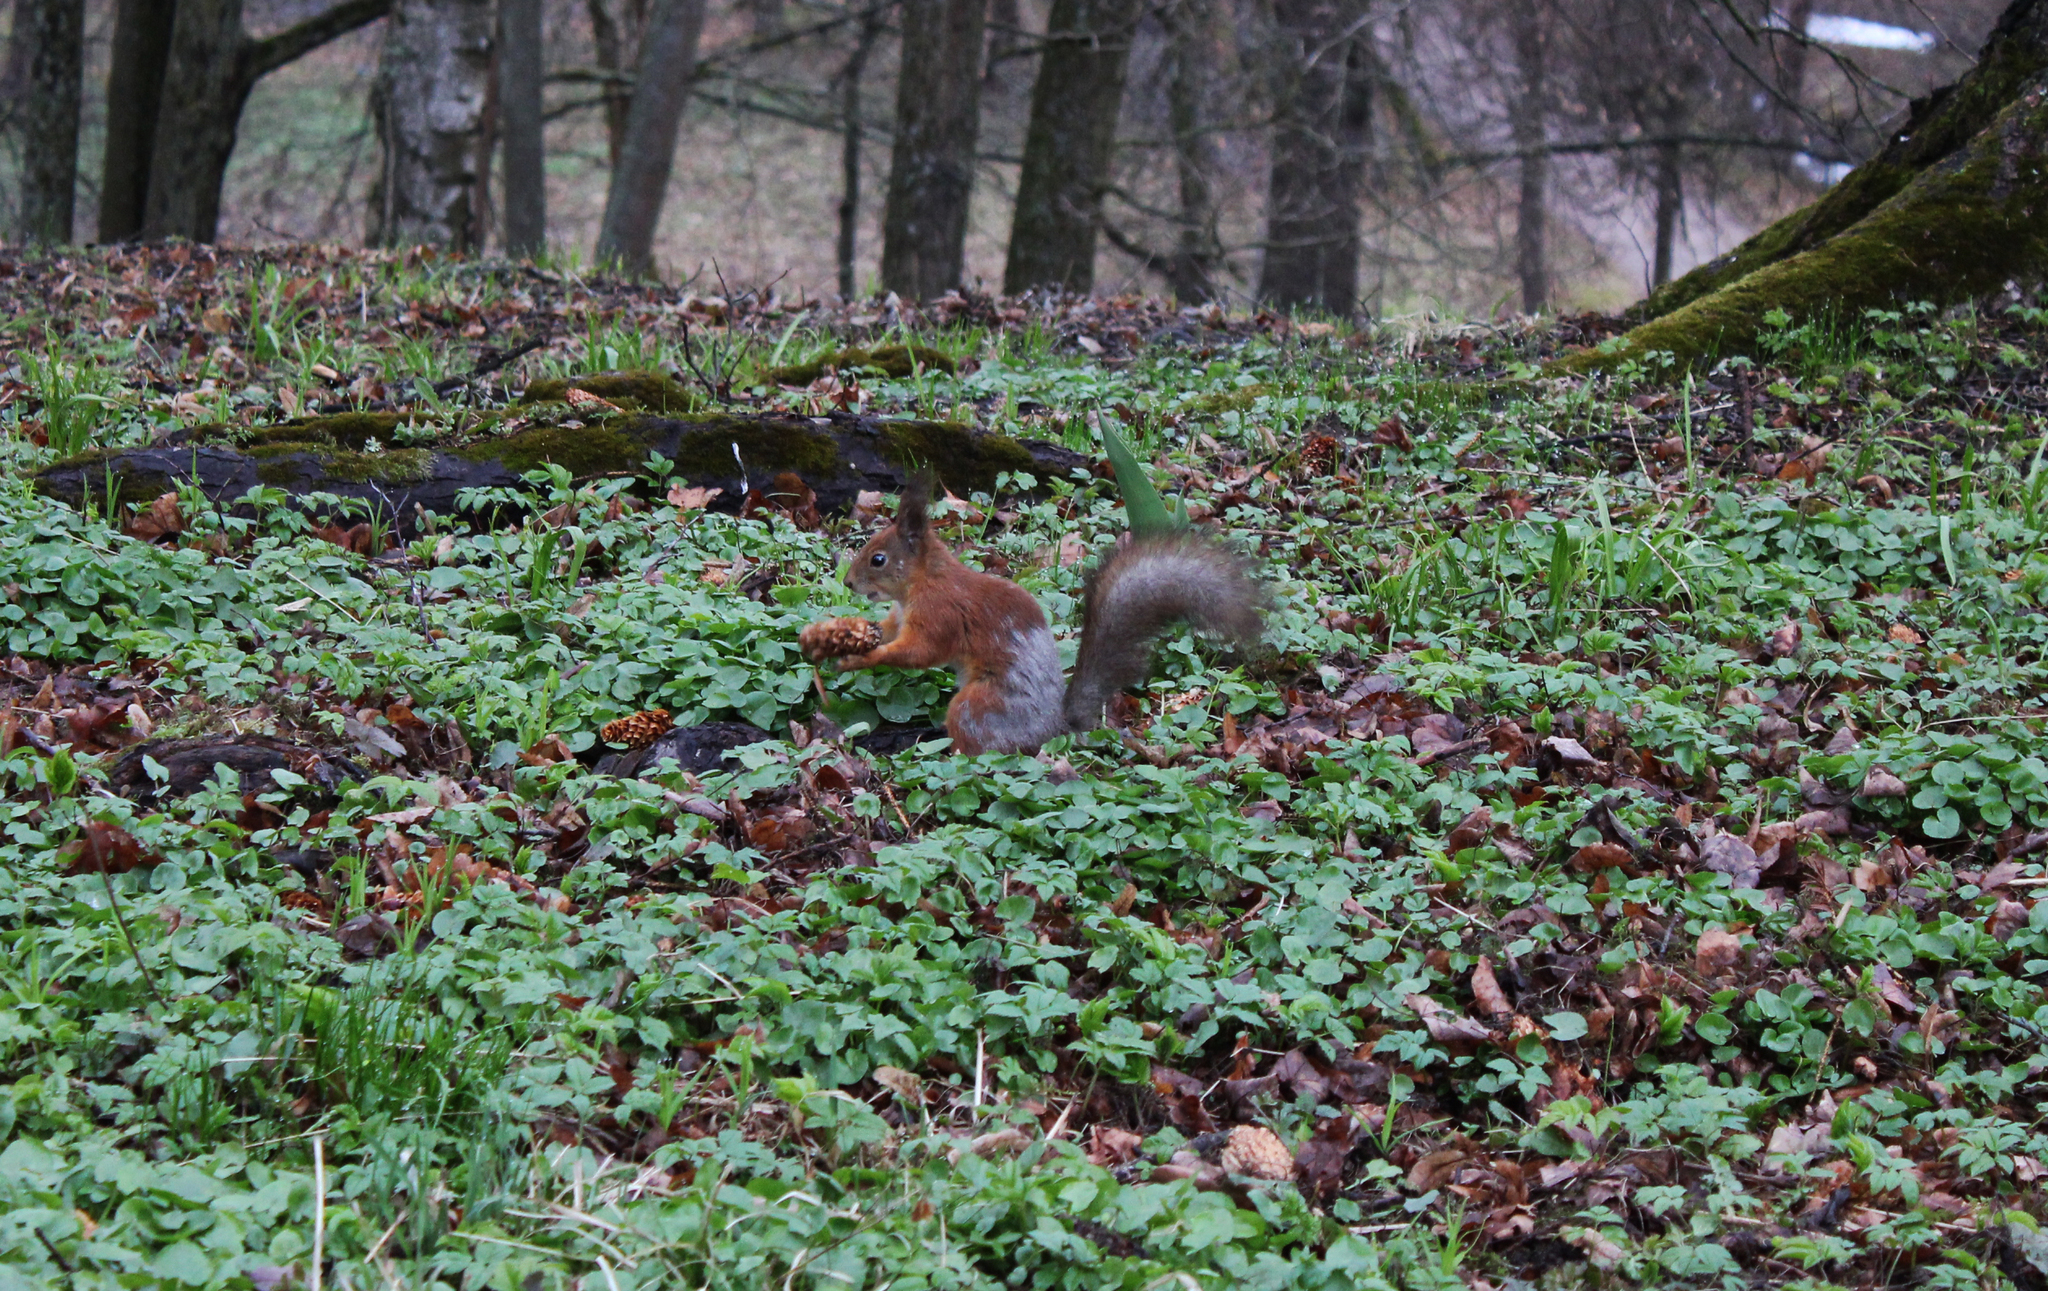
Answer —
(1140, 589)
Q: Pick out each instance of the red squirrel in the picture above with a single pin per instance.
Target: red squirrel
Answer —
(994, 636)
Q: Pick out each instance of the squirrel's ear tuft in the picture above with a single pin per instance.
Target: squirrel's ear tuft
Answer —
(913, 514)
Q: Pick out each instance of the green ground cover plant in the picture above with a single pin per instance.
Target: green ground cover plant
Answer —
(1622, 867)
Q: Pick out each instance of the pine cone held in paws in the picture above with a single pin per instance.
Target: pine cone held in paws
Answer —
(838, 638)
(636, 730)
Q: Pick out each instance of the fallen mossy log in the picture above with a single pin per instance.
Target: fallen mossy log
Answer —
(837, 456)
(1961, 228)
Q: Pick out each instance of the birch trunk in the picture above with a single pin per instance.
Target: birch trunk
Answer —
(429, 104)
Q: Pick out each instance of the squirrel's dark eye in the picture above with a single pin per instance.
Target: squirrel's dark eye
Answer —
(879, 559)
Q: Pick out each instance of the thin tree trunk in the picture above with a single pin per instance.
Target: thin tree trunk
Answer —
(1190, 86)
(931, 168)
(1670, 203)
(1937, 126)
(1069, 145)
(520, 106)
(661, 89)
(482, 216)
(1787, 114)
(1532, 215)
(1321, 133)
(14, 68)
(1005, 38)
(849, 150)
(212, 67)
(604, 32)
(54, 34)
(135, 85)
(433, 85)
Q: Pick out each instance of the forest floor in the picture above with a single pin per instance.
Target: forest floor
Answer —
(1622, 866)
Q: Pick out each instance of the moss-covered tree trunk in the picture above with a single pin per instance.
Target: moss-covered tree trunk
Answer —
(1936, 128)
(1961, 227)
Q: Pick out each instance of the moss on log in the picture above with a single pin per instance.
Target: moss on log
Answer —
(1947, 120)
(637, 390)
(838, 456)
(897, 361)
(1963, 227)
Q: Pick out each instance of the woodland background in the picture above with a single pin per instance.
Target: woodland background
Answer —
(1491, 154)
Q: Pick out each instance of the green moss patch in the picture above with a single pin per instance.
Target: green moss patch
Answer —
(638, 390)
(581, 450)
(964, 460)
(706, 452)
(393, 466)
(897, 361)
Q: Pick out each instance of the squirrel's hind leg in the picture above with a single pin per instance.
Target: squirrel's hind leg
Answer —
(1015, 709)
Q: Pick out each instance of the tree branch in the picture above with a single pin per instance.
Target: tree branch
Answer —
(262, 57)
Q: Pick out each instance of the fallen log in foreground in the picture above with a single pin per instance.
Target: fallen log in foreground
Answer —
(350, 456)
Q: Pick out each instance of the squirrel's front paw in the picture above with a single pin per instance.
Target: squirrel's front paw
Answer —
(852, 662)
(838, 638)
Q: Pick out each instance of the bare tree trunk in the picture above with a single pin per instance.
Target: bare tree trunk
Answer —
(212, 67)
(135, 86)
(849, 150)
(432, 87)
(1069, 145)
(1532, 262)
(519, 95)
(1670, 203)
(1321, 132)
(1190, 87)
(1787, 116)
(931, 168)
(53, 33)
(14, 68)
(1005, 38)
(661, 89)
(482, 216)
(611, 59)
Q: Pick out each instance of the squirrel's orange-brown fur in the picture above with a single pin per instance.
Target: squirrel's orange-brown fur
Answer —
(994, 636)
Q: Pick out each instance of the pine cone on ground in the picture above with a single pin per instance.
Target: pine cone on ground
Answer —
(1258, 1152)
(1318, 457)
(838, 638)
(636, 730)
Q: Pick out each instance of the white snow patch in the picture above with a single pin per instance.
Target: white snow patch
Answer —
(1838, 29)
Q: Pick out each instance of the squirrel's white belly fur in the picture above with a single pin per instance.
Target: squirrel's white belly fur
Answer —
(1031, 692)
